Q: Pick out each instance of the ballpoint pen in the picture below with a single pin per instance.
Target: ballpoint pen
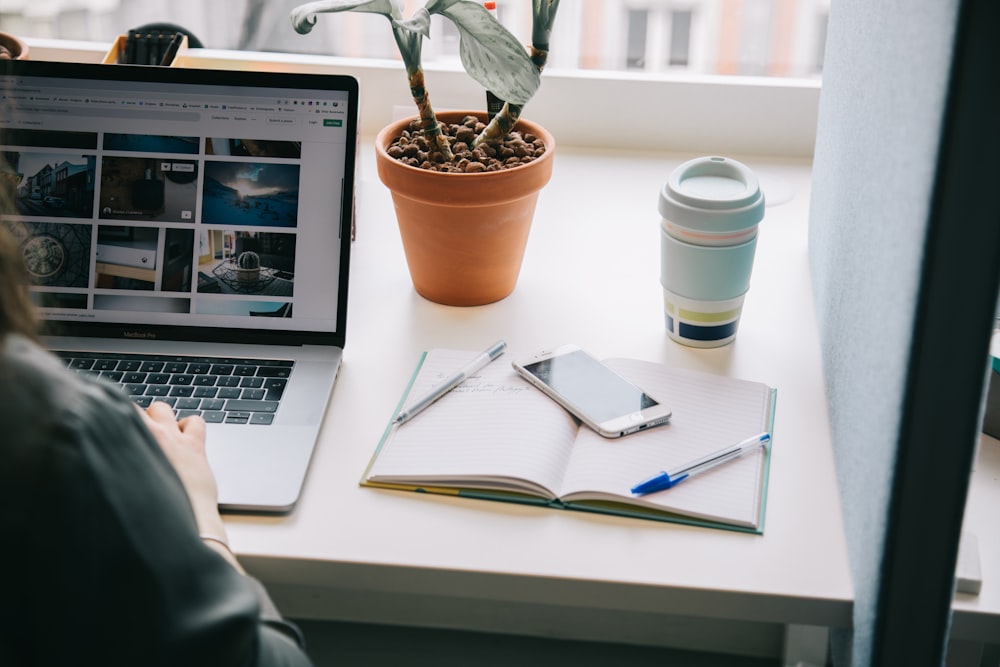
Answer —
(452, 381)
(669, 478)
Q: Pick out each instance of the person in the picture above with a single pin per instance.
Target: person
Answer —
(113, 548)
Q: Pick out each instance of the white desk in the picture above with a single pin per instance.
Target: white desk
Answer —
(590, 276)
(976, 618)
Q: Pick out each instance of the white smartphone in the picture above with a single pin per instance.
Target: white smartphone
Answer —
(599, 397)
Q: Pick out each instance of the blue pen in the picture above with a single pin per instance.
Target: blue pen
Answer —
(670, 478)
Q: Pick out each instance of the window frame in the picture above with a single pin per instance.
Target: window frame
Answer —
(684, 113)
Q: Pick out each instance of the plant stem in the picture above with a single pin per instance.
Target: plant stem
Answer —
(428, 120)
(539, 57)
(507, 118)
(502, 123)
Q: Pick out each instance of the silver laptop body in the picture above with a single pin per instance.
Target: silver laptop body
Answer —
(202, 217)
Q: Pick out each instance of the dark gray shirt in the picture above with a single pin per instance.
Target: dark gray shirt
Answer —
(100, 559)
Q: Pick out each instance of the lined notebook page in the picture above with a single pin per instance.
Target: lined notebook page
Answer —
(493, 425)
(709, 413)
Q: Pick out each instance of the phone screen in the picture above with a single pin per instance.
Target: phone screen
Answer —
(591, 386)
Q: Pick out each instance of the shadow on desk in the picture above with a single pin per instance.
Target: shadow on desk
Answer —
(331, 643)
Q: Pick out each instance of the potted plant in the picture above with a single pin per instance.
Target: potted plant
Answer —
(248, 268)
(464, 190)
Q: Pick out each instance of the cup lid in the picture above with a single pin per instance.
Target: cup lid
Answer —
(712, 194)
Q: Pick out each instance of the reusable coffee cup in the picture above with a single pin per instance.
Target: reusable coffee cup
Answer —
(710, 208)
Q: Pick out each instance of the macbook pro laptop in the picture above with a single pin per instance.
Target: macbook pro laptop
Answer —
(187, 234)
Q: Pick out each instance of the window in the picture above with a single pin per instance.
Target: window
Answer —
(658, 39)
(635, 44)
(710, 105)
(742, 37)
(680, 38)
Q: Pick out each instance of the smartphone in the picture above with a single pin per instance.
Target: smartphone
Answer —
(596, 395)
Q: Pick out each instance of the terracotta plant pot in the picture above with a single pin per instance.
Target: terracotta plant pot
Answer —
(464, 235)
(12, 48)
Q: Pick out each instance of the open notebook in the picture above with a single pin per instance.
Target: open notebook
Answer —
(187, 235)
(497, 437)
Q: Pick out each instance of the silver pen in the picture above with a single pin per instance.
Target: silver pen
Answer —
(453, 381)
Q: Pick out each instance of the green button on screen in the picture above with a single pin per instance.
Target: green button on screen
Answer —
(332, 122)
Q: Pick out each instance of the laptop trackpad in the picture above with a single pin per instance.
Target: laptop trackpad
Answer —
(259, 468)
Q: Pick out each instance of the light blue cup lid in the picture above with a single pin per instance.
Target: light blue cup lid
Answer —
(712, 194)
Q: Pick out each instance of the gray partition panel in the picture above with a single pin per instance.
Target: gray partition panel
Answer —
(905, 245)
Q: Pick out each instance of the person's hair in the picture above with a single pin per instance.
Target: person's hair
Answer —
(17, 314)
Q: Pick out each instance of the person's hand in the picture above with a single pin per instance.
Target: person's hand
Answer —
(183, 442)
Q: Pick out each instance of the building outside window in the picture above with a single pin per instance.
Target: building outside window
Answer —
(781, 38)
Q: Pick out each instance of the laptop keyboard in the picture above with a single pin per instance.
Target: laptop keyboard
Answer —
(230, 391)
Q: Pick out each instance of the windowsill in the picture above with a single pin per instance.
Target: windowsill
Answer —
(681, 114)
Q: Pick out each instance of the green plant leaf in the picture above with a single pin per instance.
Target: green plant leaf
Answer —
(490, 53)
(410, 42)
(304, 16)
(420, 23)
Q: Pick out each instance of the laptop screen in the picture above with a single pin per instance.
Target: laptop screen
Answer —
(165, 202)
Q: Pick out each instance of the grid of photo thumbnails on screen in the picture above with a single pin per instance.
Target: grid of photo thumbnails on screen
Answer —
(159, 227)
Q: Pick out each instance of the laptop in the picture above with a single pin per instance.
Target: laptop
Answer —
(187, 235)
